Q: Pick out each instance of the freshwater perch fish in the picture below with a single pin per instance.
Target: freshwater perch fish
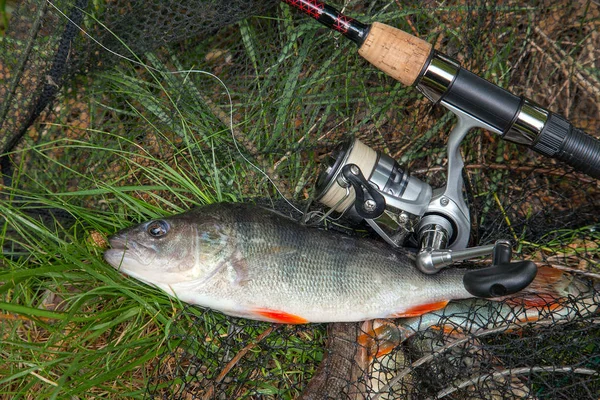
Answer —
(251, 262)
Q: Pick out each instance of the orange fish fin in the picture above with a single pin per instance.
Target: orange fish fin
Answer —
(533, 300)
(367, 340)
(532, 308)
(379, 337)
(421, 309)
(281, 317)
(547, 280)
(545, 291)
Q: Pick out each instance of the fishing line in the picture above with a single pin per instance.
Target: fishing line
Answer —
(189, 71)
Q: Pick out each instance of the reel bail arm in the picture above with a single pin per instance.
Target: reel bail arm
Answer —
(369, 202)
(447, 213)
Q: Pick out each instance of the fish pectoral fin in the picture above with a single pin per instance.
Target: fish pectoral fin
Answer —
(420, 309)
(379, 337)
(280, 317)
(238, 269)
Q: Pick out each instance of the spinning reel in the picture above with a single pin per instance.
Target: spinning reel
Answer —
(399, 207)
(407, 212)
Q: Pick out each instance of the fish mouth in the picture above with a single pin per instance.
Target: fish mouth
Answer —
(124, 255)
(118, 243)
(118, 253)
(127, 255)
(115, 257)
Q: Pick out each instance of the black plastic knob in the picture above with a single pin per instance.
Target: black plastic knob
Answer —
(502, 278)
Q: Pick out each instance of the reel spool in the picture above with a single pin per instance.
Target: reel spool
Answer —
(331, 190)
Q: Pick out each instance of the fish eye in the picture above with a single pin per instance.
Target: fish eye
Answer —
(157, 228)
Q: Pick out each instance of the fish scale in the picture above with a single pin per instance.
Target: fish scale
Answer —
(345, 275)
(252, 262)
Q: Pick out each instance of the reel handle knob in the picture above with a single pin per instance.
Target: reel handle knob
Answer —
(502, 278)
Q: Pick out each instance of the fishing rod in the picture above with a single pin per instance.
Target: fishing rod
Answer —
(371, 186)
(414, 62)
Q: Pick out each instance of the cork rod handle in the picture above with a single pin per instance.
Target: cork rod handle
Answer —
(397, 53)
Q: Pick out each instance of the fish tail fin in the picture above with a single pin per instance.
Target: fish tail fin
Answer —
(549, 285)
(554, 292)
(549, 279)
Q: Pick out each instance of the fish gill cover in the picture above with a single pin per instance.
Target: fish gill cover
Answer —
(98, 133)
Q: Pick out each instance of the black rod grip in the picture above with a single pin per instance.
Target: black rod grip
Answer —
(483, 99)
(559, 139)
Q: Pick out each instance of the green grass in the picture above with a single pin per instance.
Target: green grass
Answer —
(5, 11)
(99, 329)
(132, 143)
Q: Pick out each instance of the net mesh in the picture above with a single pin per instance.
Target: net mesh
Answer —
(108, 93)
(497, 357)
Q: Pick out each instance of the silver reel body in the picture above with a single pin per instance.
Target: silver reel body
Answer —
(439, 218)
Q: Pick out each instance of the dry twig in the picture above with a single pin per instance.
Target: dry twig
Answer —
(209, 393)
